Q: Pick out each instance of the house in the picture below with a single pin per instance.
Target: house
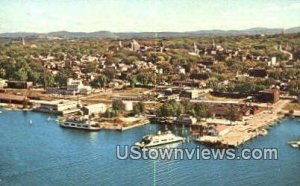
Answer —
(185, 120)
(19, 84)
(94, 109)
(268, 95)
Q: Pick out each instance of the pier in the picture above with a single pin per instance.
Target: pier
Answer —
(239, 134)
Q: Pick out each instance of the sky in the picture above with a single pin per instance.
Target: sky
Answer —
(145, 15)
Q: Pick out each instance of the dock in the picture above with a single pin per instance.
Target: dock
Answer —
(240, 134)
(123, 125)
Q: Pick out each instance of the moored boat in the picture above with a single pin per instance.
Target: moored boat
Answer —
(84, 125)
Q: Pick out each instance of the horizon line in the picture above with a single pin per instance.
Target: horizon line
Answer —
(152, 31)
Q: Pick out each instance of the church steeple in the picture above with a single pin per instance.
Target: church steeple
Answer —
(23, 41)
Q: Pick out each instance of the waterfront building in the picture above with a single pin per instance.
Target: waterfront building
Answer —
(94, 109)
(269, 95)
(13, 99)
(58, 106)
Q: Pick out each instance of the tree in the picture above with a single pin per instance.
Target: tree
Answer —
(133, 81)
(139, 108)
(47, 79)
(117, 105)
(202, 110)
(2, 72)
(99, 81)
(61, 78)
(22, 74)
(231, 114)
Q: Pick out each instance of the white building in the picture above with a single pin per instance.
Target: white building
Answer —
(128, 105)
(272, 62)
(94, 109)
(57, 106)
(76, 87)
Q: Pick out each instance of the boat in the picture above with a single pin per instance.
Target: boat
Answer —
(84, 125)
(295, 144)
(162, 138)
(262, 132)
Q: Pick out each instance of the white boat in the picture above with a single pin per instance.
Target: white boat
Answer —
(84, 125)
(295, 144)
(162, 138)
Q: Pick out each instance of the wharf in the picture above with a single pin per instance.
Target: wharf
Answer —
(239, 134)
(124, 124)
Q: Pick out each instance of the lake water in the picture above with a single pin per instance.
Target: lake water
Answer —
(42, 153)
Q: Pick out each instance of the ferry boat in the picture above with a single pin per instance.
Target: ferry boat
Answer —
(295, 144)
(84, 125)
(162, 138)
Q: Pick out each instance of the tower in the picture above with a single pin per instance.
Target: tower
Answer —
(196, 50)
(120, 44)
(23, 41)
(162, 46)
(214, 44)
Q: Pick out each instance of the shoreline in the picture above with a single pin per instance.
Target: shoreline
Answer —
(240, 134)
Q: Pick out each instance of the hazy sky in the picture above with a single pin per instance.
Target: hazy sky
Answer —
(145, 15)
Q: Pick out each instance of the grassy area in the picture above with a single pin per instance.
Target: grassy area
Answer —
(211, 97)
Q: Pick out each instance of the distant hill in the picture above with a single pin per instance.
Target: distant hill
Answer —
(128, 35)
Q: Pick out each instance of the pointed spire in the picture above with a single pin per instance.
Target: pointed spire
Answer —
(23, 41)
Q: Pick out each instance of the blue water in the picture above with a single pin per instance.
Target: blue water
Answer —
(42, 153)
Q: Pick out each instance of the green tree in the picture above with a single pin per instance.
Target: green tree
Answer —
(117, 105)
(2, 72)
(99, 81)
(139, 108)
